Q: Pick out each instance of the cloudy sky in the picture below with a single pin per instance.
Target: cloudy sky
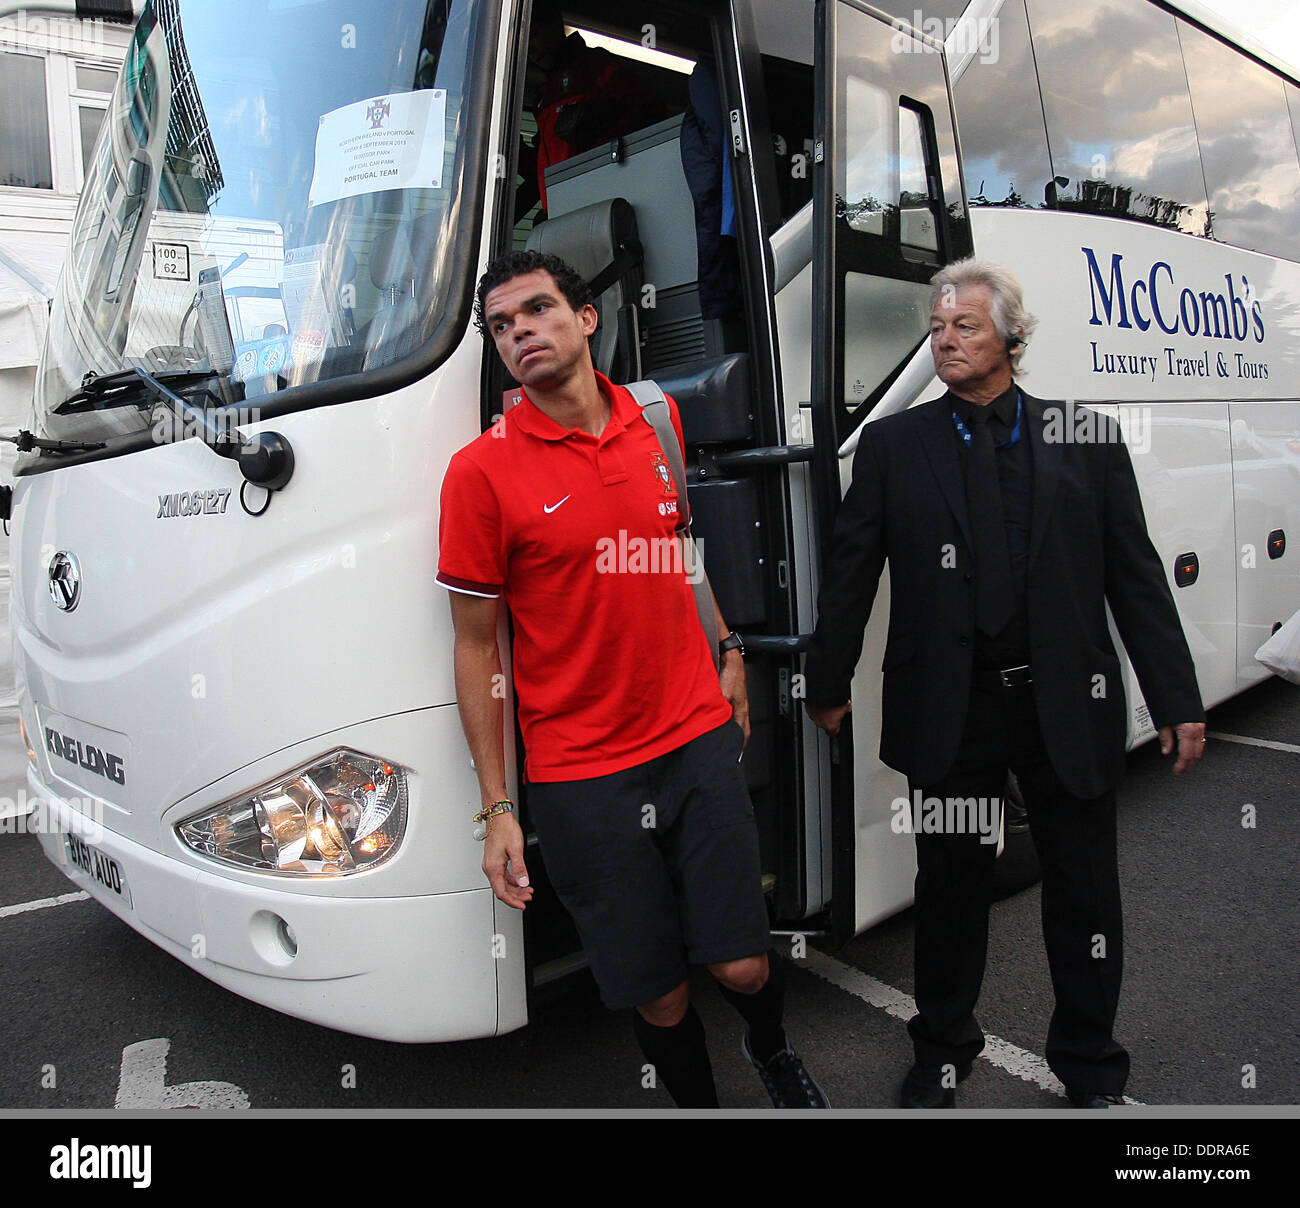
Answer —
(1274, 23)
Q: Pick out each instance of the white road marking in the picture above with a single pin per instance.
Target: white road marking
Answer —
(1254, 742)
(42, 903)
(142, 1083)
(1002, 1053)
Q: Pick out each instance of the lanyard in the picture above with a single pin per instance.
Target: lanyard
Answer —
(964, 432)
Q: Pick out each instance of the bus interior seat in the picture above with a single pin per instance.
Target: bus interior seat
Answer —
(397, 326)
(600, 241)
(388, 335)
(649, 174)
(714, 397)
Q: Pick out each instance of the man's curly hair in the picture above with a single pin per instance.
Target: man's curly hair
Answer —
(572, 284)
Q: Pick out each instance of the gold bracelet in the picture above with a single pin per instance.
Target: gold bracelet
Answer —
(497, 807)
(504, 806)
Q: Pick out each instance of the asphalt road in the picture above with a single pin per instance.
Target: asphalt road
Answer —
(95, 1013)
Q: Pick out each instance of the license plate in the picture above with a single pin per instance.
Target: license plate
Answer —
(97, 866)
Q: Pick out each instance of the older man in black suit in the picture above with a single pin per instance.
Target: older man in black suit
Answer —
(1006, 536)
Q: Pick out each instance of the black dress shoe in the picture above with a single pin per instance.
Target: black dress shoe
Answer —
(923, 1086)
(1091, 1099)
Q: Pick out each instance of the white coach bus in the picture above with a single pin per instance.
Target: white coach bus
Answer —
(229, 645)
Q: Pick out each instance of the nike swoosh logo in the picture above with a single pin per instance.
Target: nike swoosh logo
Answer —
(549, 510)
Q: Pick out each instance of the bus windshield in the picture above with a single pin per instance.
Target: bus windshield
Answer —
(271, 201)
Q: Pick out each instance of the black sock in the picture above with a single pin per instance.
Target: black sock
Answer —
(680, 1058)
(763, 1011)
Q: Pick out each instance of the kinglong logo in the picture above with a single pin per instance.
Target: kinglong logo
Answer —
(1232, 313)
(84, 755)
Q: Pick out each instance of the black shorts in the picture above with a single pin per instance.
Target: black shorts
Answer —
(658, 865)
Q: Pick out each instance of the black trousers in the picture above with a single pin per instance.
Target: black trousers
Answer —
(1082, 918)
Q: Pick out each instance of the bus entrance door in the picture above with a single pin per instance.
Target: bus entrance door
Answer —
(889, 210)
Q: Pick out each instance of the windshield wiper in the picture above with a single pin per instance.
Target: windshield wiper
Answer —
(100, 392)
(27, 441)
(266, 460)
(123, 388)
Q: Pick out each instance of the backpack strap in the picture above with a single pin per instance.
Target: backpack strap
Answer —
(654, 407)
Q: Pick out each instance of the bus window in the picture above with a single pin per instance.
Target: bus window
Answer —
(918, 230)
(897, 208)
(313, 170)
(788, 89)
(1293, 104)
(1247, 147)
(784, 33)
(1002, 171)
(935, 17)
(1121, 132)
(871, 168)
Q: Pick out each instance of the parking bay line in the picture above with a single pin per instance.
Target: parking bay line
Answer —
(1254, 742)
(41, 903)
(1002, 1053)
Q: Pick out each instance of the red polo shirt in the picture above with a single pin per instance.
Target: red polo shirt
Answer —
(576, 533)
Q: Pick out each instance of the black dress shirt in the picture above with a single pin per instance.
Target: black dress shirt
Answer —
(1010, 647)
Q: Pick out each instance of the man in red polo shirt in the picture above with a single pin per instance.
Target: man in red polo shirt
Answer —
(564, 511)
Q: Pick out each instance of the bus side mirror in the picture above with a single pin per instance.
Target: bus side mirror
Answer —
(266, 460)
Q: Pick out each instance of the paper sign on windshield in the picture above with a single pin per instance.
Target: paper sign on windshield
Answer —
(387, 142)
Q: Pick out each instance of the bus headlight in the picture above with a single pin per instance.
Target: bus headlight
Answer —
(27, 742)
(342, 813)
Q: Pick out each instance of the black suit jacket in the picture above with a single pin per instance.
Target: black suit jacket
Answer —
(1088, 547)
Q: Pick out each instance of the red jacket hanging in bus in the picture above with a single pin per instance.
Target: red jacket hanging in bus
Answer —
(589, 98)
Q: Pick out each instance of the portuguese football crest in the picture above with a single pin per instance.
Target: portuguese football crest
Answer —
(665, 474)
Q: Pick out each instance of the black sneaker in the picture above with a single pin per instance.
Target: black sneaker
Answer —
(787, 1083)
(1092, 1100)
(923, 1086)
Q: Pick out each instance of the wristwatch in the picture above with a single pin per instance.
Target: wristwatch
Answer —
(731, 642)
